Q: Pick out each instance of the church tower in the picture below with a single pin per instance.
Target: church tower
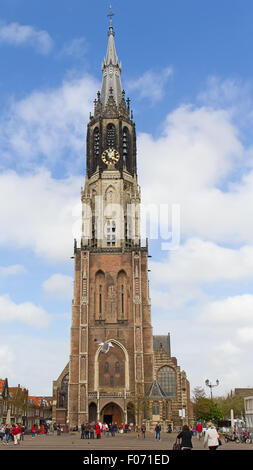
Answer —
(111, 292)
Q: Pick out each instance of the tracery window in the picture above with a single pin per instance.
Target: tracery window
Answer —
(106, 367)
(110, 232)
(111, 135)
(155, 408)
(167, 380)
(125, 143)
(117, 368)
(96, 139)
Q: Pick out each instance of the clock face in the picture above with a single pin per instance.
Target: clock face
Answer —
(110, 156)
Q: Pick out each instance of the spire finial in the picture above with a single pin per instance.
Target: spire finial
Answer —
(111, 14)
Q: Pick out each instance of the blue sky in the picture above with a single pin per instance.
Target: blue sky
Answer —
(187, 67)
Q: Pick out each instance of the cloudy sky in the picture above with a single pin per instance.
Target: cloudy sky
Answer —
(187, 67)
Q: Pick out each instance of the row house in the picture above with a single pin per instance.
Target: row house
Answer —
(17, 406)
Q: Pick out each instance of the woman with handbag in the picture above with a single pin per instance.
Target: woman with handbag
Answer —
(211, 438)
(186, 438)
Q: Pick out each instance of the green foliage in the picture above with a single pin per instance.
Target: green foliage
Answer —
(221, 406)
(202, 409)
(235, 403)
(18, 402)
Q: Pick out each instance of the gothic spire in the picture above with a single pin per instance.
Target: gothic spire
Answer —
(111, 69)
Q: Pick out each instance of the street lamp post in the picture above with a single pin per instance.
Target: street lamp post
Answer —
(208, 384)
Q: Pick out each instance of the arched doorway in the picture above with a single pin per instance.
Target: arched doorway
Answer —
(112, 413)
(92, 412)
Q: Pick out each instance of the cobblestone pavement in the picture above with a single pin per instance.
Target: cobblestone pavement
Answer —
(129, 441)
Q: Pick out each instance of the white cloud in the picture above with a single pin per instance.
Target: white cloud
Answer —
(17, 34)
(151, 84)
(76, 48)
(186, 264)
(59, 286)
(237, 309)
(25, 312)
(48, 125)
(245, 335)
(33, 362)
(228, 348)
(193, 164)
(7, 361)
(39, 213)
(11, 270)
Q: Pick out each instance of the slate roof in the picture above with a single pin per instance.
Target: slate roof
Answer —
(162, 340)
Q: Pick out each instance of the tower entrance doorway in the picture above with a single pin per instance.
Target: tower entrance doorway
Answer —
(112, 413)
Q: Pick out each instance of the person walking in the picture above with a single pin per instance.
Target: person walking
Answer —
(158, 431)
(82, 431)
(2, 433)
(7, 434)
(98, 431)
(137, 430)
(19, 432)
(92, 430)
(58, 430)
(211, 438)
(199, 430)
(15, 432)
(86, 431)
(186, 438)
(143, 430)
(33, 430)
(23, 428)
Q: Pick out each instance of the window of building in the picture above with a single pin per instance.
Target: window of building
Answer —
(110, 232)
(125, 143)
(96, 146)
(100, 298)
(110, 135)
(167, 380)
(106, 367)
(122, 299)
(117, 368)
(112, 381)
(156, 408)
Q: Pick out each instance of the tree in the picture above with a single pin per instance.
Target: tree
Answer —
(202, 409)
(202, 406)
(17, 401)
(235, 403)
(198, 392)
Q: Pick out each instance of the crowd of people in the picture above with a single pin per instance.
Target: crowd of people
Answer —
(14, 433)
(211, 437)
(90, 430)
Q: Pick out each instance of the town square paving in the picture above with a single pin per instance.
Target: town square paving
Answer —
(72, 441)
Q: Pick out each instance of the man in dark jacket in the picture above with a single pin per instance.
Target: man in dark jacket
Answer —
(158, 431)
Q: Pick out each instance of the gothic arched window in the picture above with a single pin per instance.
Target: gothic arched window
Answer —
(167, 380)
(96, 141)
(125, 143)
(155, 408)
(106, 367)
(111, 135)
(117, 368)
(100, 298)
(110, 232)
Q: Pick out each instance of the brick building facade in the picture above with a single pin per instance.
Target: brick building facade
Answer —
(111, 300)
